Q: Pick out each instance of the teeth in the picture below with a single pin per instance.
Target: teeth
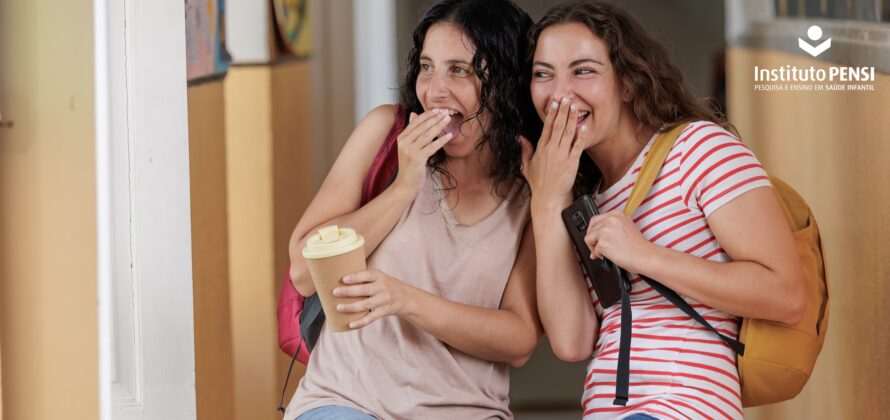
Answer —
(449, 112)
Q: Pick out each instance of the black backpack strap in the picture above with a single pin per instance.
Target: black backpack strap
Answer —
(622, 382)
(311, 320)
(290, 368)
(674, 298)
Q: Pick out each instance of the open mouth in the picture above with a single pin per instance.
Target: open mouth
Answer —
(453, 126)
(582, 117)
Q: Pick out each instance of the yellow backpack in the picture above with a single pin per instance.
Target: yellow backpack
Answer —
(776, 359)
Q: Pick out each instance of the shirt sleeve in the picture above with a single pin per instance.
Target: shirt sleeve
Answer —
(716, 167)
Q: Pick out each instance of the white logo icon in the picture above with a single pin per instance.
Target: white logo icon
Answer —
(814, 33)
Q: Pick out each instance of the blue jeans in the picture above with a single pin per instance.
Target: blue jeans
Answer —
(640, 416)
(333, 412)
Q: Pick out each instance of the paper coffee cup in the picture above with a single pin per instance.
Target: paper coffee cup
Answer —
(331, 254)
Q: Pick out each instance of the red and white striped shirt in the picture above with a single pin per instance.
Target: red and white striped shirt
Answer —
(678, 369)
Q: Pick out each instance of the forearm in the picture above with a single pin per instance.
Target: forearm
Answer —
(564, 303)
(491, 334)
(741, 288)
(373, 221)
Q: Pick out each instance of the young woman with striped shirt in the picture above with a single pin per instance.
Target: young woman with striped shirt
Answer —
(710, 228)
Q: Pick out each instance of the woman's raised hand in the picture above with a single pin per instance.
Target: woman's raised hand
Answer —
(420, 140)
(551, 169)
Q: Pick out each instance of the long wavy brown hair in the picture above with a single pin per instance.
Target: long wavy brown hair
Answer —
(661, 98)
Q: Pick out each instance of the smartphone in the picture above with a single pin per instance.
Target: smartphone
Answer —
(604, 276)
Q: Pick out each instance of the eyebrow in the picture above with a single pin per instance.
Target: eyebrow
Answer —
(573, 64)
(452, 61)
(585, 60)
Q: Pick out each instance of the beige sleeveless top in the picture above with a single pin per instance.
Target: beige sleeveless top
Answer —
(394, 370)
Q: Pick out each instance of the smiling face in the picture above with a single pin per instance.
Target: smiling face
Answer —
(447, 81)
(571, 62)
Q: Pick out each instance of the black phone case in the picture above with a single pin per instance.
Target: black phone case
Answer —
(603, 274)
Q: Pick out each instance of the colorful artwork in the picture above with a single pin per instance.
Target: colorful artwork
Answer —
(294, 26)
(205, 39)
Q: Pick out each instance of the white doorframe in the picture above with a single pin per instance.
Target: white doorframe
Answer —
(146, 326)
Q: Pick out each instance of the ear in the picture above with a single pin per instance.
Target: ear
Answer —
(626, 94)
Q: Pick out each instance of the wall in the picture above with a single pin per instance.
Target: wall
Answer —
(293, 182)
(252, 168)
(214, 365)
(48, 318)
(247, 121)
(268, 141)
(832, 148)
(333, 82)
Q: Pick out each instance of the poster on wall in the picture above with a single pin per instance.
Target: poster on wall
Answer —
(206, 54)
(294, 26)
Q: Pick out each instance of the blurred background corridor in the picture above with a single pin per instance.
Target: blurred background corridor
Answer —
(226, 116)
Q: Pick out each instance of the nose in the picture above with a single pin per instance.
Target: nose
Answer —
(438, 89)
(563, 88)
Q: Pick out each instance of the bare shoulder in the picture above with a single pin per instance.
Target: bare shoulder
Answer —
(376, 124)
(365, 140)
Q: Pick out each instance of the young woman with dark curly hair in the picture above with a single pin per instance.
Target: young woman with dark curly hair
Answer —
(450, 284)
(710, 228)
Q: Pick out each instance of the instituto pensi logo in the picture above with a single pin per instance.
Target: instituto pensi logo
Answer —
(819, 76)
(814, 33)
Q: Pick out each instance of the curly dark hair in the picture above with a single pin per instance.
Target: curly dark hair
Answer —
(661, 98)
(498, 29)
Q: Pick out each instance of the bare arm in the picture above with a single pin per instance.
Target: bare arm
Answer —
(508, 334)
(764, 280)
(564, 304)
(339, 198)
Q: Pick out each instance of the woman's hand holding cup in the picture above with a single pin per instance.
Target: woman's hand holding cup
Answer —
(383, 295)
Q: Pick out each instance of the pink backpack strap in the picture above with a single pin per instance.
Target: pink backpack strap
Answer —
(386, 162)
(290, 304)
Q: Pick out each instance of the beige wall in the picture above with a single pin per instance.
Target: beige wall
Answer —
(252, 171)
(293, 182)
(248, 126)
(834, 148)
(48, 318)
(214, 366)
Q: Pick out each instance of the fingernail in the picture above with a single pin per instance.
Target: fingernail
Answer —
(336, 292)
(346, 279)
(352, 325)
(583, 128)
(573, 108)
(591, 256)
(340, 308)
(554, 105)
(565, 101)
